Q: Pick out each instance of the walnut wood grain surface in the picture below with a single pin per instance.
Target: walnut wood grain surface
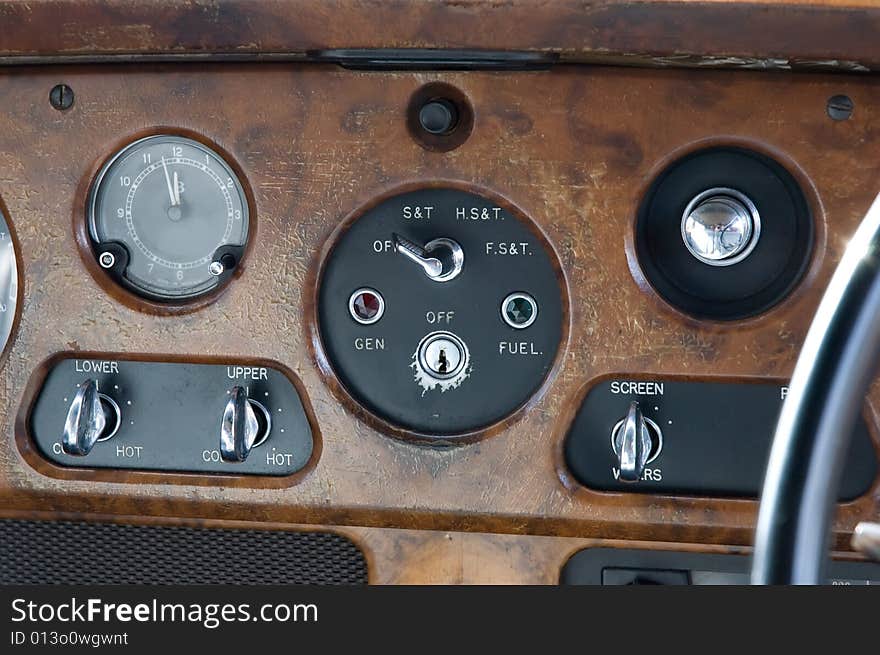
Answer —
(423, 557)
(727, 32)
(573, 148)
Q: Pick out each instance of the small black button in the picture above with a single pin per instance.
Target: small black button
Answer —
(438, 117)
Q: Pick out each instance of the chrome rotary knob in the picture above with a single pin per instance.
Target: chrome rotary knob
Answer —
(636, 441)
(441, 259)
(245, 424)
(92, 417)
(720, 227)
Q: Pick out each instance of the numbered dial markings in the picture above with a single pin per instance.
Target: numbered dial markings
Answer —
(167, 216)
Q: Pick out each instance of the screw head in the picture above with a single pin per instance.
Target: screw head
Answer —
(107, 260)
(840, 107)
(216, 269)
(61, 97)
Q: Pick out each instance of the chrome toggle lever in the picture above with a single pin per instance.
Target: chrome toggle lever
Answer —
(632, 444)
(441, 259)
(241, 427)
(92, 417)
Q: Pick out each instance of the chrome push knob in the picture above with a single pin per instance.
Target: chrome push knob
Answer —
(245, 424)
(636, 441)
(720, 227)
(440, 259)
(92, 417)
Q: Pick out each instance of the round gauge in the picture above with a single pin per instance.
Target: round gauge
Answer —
(168, 218)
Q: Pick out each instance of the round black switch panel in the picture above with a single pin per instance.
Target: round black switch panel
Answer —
(471, 319)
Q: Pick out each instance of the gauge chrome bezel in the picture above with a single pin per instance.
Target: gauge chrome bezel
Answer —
(10, 285)
(214, 284)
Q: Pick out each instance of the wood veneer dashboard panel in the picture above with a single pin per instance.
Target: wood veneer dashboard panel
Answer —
(574, 148)
(756, 33)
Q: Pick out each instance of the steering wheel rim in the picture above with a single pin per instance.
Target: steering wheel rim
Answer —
(831, 378)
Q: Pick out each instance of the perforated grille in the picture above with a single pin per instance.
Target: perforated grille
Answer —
(37, 552)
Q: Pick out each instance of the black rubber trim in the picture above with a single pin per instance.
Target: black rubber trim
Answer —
(431, 59)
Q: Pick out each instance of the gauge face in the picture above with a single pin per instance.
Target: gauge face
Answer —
(8, 283)
(168, 218)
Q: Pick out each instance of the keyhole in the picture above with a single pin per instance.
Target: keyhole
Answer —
(442, 362)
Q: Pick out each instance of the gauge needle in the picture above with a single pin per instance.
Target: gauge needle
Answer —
(174, 199)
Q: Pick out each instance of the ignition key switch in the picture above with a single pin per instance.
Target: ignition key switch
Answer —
(442, 355)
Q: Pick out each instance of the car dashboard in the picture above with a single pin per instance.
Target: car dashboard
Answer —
(441, 291)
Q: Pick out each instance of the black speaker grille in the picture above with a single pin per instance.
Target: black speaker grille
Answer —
(40, 552)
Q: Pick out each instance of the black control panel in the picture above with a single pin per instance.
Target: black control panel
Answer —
(624, 566)
(441, 311)
(702, 438)
(231, 418)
